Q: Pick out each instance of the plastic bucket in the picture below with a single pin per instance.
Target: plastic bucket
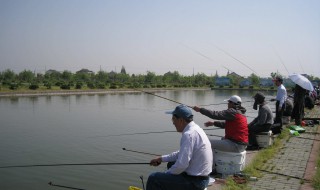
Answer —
(229, 162)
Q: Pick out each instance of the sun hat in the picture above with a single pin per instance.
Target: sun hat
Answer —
(259, 97)
(181, 111)
(235, 99)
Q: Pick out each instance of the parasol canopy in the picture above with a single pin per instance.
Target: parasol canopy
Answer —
(301, 81)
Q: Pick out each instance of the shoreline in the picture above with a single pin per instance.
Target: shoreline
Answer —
(90, 91)
(107, 91)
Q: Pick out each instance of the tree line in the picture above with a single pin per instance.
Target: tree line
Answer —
(86, 79)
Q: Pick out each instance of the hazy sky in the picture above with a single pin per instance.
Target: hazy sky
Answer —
(199, 36)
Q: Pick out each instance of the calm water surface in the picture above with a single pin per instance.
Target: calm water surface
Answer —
(79, 129)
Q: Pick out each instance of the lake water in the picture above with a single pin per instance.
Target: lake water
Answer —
(88, 128)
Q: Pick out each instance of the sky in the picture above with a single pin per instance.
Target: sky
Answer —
(188, 36)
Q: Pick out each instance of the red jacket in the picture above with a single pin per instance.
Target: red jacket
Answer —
(235, 123)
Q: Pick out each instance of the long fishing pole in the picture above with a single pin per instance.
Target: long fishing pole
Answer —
(236, 59)
(81, 164)
(202, 55)
(63, 186)
(276, 173)
(144, 133)
(160, 96)
(280, 59)
(215, 135)
(140, 152)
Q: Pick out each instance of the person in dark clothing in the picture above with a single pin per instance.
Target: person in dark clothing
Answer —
(289, 108)
(262, 123)
(298, 104)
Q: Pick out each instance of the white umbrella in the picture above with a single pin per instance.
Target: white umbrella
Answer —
(301, 81)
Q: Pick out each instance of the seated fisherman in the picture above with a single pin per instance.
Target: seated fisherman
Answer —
(262, 123)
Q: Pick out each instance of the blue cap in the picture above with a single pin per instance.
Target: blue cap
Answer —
(181, 111)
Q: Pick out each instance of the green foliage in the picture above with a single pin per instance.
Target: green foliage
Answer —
(66, 80)
(33, 86)
(13, 86)
(79, 85)
(113, 86)
(90, 85)
(65, 86)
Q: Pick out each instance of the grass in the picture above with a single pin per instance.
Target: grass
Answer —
(316, 178)
(252, 169)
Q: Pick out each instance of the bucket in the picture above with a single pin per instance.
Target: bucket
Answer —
(229, 162)
(264, 139)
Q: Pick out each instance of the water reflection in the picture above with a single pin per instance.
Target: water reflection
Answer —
(66, 129)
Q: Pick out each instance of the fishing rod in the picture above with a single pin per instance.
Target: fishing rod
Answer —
(63, 186)
(235, 59)
(81, 164)
(215, 135)
(280, 59)
(276, 173)
(202, 55)
(144, 133)
(307, 138)
(140, 152)
(160, 97)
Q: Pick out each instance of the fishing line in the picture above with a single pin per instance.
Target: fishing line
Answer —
(81, 164)
(63, 186)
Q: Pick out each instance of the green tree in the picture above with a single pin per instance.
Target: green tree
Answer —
(150, 77)
(26, 76)
(66, 76)
(254, 79)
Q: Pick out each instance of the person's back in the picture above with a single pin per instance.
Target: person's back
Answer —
(289, 107)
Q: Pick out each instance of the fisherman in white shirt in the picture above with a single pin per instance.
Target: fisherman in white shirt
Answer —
(192, 163)
(280, 99)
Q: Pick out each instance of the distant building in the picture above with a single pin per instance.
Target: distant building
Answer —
(85, 71)
(234, 75)
(222, 81)
(245, 83)
(266, 82)
(51, 71)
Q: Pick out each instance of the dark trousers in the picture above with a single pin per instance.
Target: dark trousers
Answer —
(279, 113)
(254, 130)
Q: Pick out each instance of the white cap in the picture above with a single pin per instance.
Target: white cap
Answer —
(235, 99)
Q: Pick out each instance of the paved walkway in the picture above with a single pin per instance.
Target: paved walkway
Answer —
(286, 171)
(293, 166)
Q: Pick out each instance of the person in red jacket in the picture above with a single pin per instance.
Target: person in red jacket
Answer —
(233, 121)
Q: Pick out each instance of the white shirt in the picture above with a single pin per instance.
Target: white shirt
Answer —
(195, 154)
(281, 95)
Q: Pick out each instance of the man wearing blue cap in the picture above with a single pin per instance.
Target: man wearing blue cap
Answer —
(192, 162)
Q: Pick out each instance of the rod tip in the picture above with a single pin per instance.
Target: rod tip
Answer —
(123, 148)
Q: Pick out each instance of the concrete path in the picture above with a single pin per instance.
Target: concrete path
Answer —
(293, 166)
